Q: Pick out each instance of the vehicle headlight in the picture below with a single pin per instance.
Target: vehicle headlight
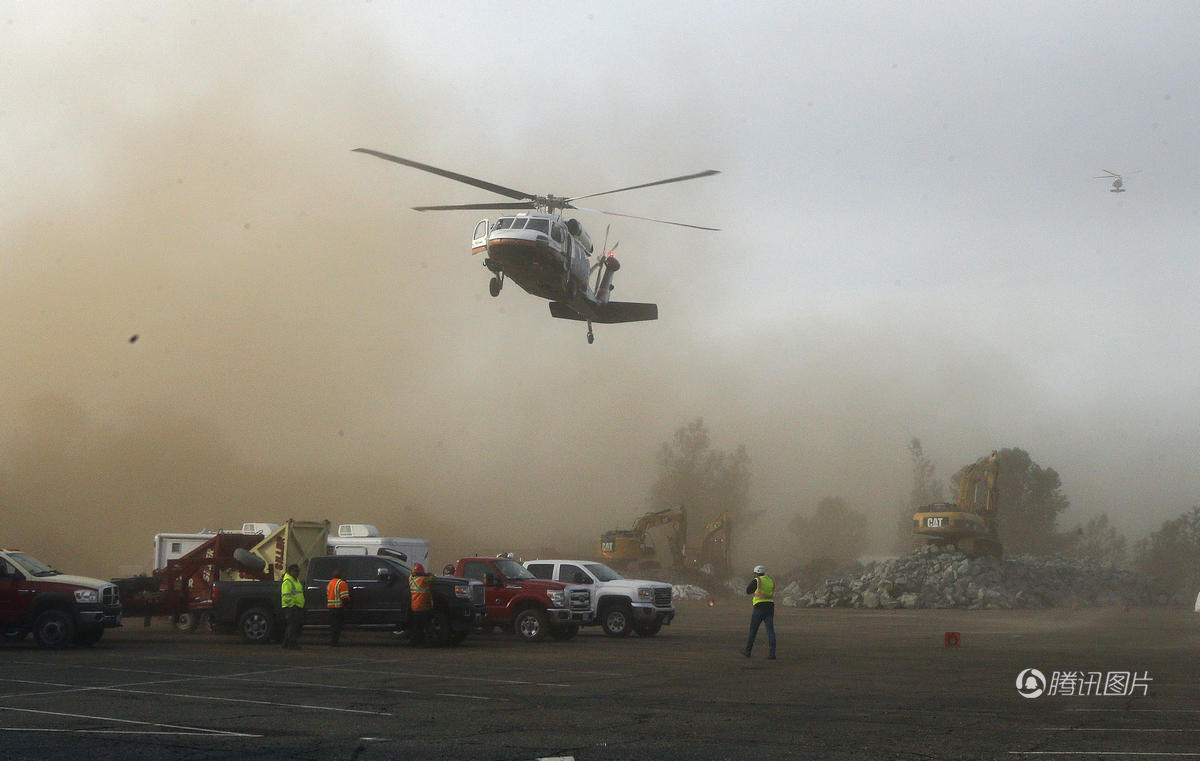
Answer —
(557, 596)
(645, 594)
(87, 595)
(463, 591)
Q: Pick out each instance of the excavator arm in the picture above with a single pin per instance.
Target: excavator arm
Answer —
(977, 491)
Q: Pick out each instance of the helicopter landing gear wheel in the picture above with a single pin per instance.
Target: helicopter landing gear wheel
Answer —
(591, 335)
(495, 285)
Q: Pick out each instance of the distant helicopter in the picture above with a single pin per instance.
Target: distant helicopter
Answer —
(1118, 185)
(545, 255)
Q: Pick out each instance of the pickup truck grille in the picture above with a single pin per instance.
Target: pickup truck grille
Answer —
(109, 595)
(580, 599)
(478, 594)
(662, 597)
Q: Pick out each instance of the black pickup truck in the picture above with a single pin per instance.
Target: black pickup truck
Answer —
(379, 599)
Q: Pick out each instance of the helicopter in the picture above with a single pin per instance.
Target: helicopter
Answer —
(545, 255)
(1118, 185)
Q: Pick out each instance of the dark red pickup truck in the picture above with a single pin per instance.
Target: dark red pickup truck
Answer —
(516, 600)
(60, 610)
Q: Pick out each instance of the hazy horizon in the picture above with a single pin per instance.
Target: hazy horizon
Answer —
(912, 245)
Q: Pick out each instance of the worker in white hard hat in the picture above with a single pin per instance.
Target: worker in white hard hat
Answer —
(762, 587)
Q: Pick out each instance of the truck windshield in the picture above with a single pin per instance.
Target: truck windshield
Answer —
(33, 565)
(602, 572)
(512, 569)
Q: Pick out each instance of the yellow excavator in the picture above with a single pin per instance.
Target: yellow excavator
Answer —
(634, 547)
(970, 524)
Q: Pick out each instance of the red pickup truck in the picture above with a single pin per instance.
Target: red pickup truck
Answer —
(519, 601)
(60, 610)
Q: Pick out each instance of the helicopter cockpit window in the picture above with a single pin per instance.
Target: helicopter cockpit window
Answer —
(503, 223)
(557, 233)
(541, 225)
(518, 223)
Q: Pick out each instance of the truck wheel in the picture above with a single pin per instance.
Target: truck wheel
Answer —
(187, 622)
(617, 620)
(648, 629)
(54, 629)
(565, 632)
(437, 629)
(88, 637)
(530, 624)
(255, 625)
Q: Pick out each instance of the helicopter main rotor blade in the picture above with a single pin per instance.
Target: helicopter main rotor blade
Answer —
(705, 173)
(648, 219)
(482, 184)
(494, 205)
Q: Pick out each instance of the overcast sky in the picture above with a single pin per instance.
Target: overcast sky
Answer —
(912, 244)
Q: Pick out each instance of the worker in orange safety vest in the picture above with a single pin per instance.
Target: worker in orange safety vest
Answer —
(337, 597)
(421, 603)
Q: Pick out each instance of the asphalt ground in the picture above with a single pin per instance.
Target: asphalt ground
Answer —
(847, 684)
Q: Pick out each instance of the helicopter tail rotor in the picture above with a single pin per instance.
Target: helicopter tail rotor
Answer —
(604, 286)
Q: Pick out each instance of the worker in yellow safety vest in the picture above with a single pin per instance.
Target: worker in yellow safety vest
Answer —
(762, 587)
(337, 597)
(420, 603)
(292, 601)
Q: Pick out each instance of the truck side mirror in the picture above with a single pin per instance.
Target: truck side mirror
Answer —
(581, 579)
(491, 580)
(383, 574)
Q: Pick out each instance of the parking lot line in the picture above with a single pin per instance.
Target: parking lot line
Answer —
(243, 700)
(1134, 710)
(444, 676)
(177, 727)
(138, 732)
(1111, 729)
(239, 677)
(397, 690)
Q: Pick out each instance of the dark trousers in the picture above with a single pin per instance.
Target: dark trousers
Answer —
(294, 617)
(417, 620)
(337, 619)
(764, 613)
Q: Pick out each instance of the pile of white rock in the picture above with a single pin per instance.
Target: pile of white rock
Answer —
(938, 577)
(689, 592)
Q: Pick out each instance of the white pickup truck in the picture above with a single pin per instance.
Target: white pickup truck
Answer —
(620, 605)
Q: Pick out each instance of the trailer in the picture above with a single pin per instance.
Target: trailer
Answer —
(364, 539)
(182, 589)
(172, 546)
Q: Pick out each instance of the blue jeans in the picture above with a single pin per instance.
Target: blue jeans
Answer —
(764, 613)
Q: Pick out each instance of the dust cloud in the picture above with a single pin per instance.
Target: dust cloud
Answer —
(307, 347)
